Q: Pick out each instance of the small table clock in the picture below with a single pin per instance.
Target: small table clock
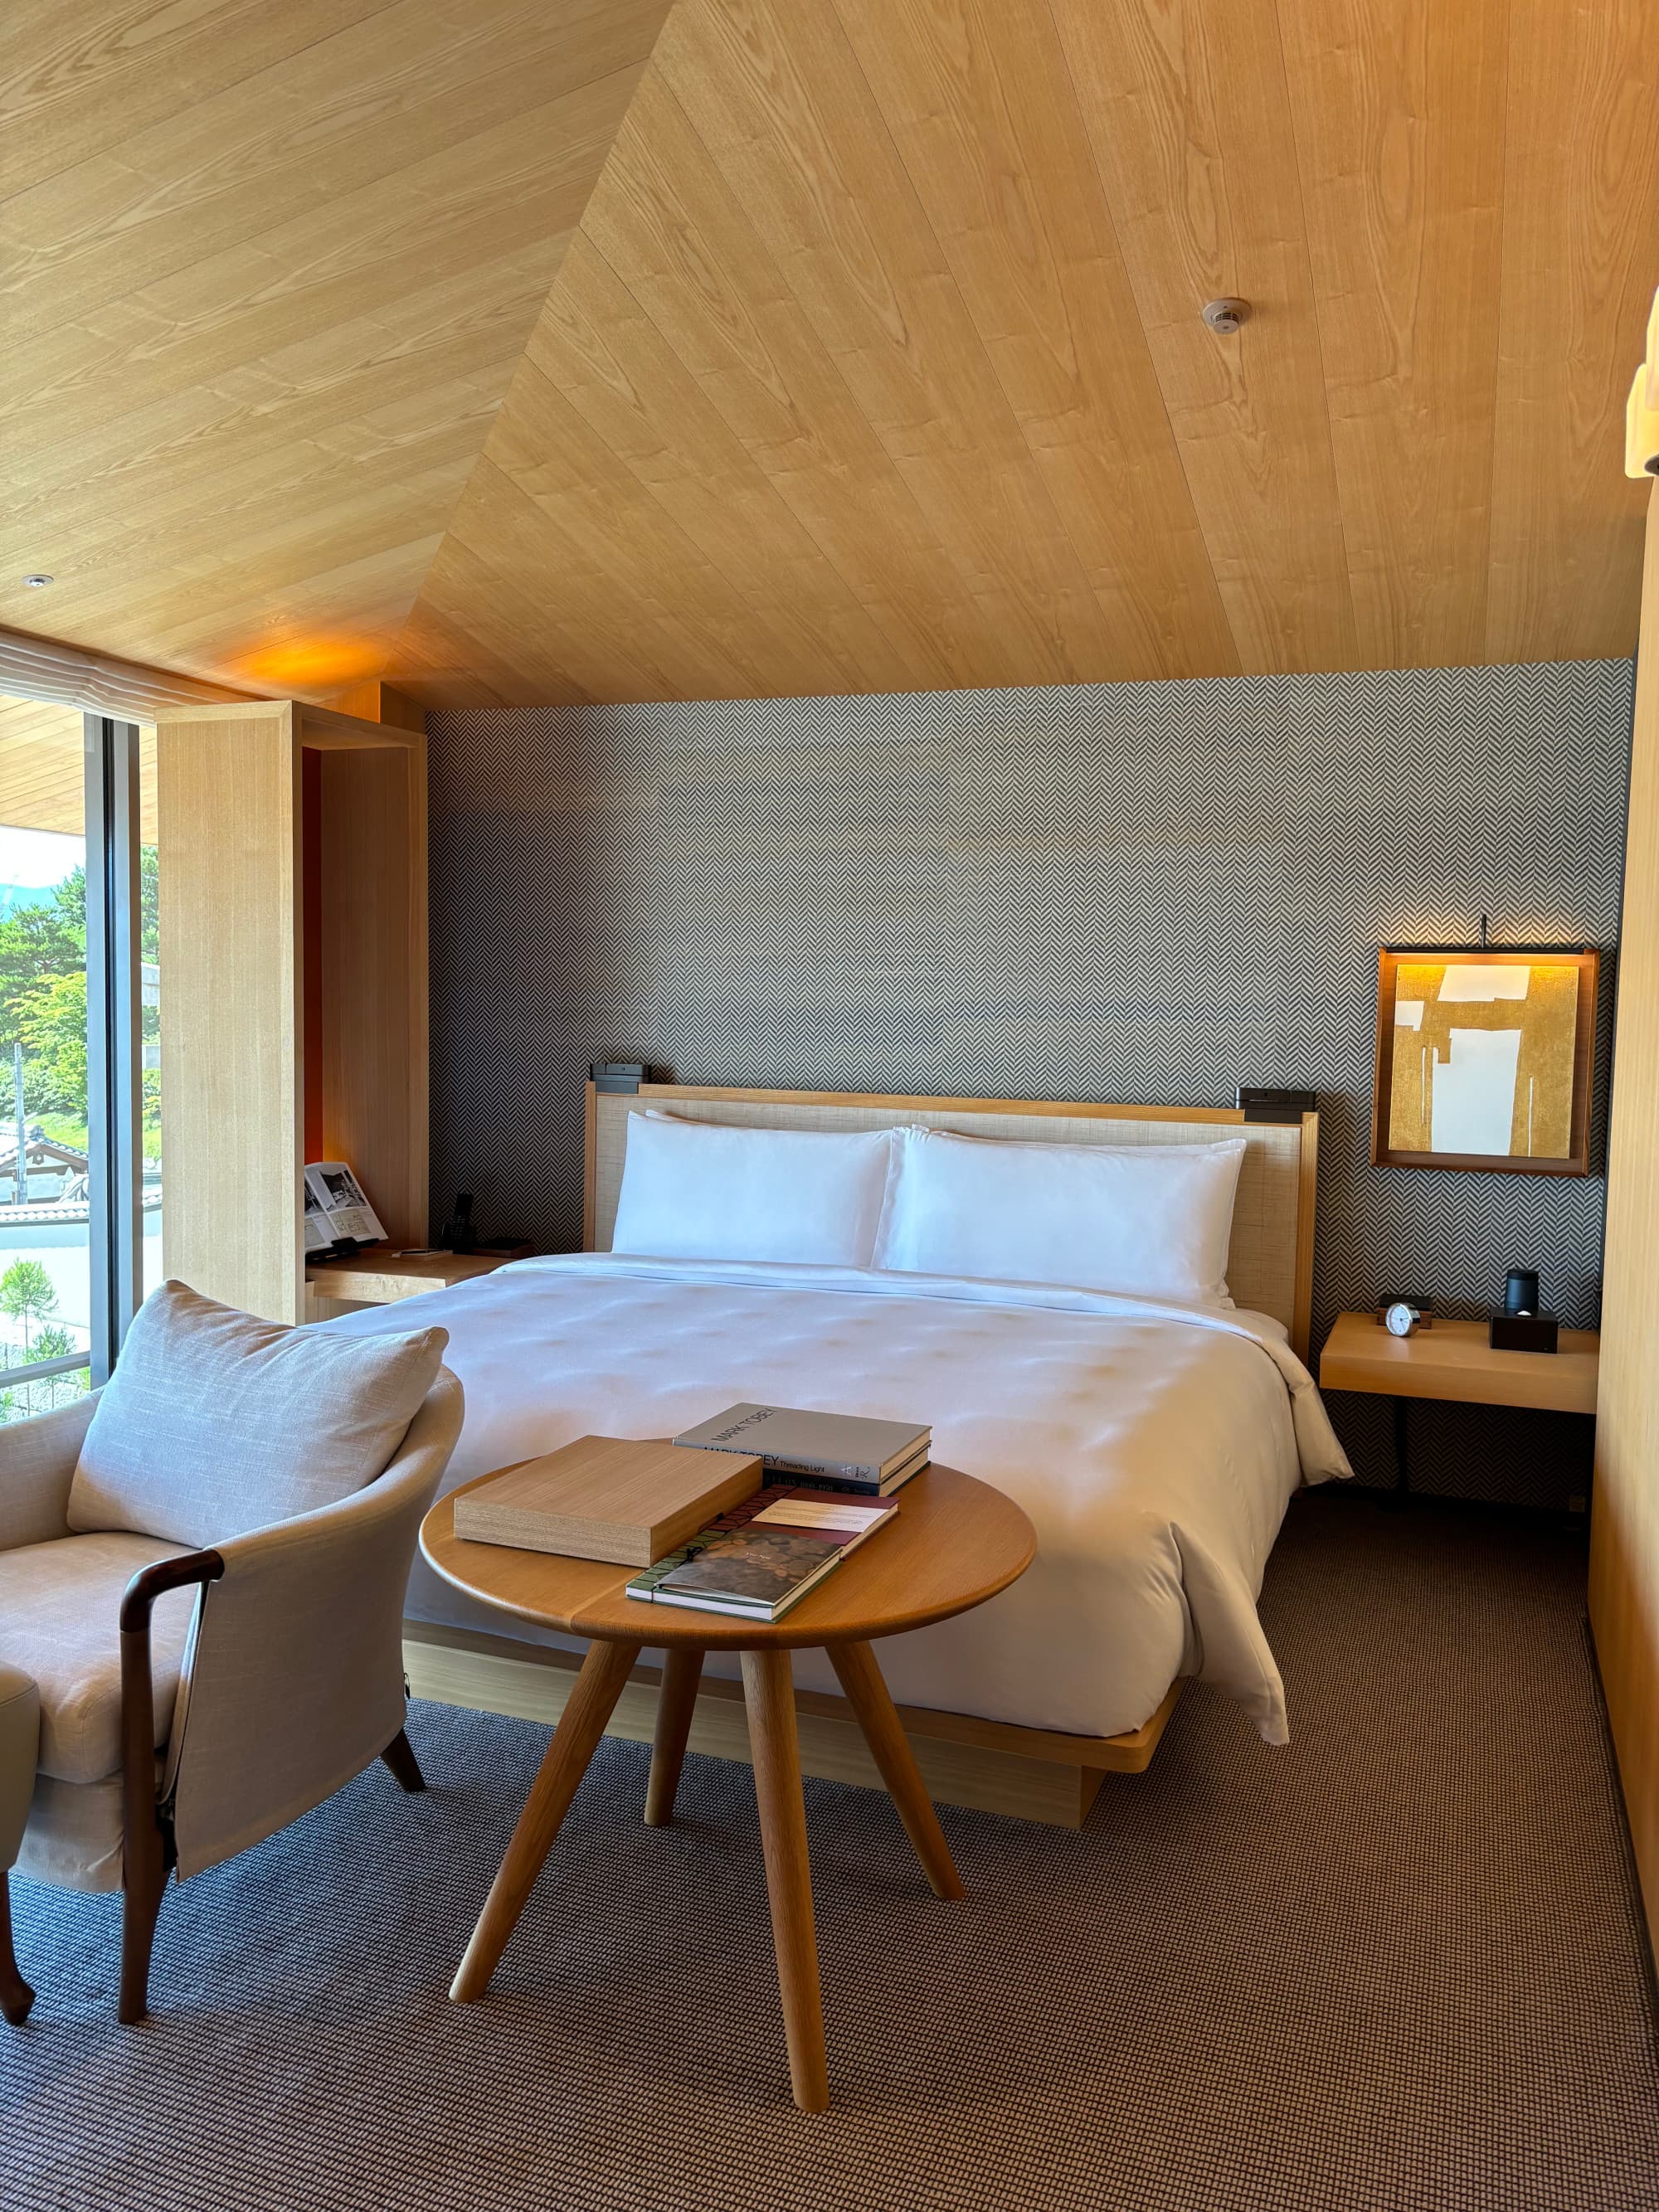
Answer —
(1400, 1317)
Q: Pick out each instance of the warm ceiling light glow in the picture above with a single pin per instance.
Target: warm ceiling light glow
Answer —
(305, 666)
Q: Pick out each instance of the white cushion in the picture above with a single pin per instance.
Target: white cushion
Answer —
(1150, 1221)
(703, 1190)
(214, 1423)
(60, 1606)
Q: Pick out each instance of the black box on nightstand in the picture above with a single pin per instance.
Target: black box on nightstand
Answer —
(1523, 1332)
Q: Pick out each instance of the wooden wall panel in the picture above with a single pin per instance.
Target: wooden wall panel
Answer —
(231, 1047)
(372, 975)
(1624, 1586)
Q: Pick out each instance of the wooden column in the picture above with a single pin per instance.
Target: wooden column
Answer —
(1624, 1580)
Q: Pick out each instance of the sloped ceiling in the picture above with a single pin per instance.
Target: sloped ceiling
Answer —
(266, 268)
(875, 361)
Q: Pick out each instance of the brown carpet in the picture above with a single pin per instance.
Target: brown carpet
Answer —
(1397, 1966)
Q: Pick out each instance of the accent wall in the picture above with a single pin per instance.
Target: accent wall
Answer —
(1145, 892)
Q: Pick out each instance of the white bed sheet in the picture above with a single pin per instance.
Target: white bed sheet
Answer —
(1154, 1446)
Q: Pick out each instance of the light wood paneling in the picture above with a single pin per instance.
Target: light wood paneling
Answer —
(1580, 259)
(43, 770)
(1624, 1579)
(1190, 118)
(231, 1044)
(267, 272)
(877, 365)
(1398, 110)
(294, 1020)
(373, 976)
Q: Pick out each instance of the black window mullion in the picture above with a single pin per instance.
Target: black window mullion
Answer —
(115, 1076)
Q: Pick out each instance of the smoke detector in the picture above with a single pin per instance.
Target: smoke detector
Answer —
(1224, 317)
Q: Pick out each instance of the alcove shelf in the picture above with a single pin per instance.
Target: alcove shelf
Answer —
(292, 884)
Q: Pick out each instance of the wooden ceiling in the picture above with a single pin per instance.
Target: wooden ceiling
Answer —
(874, 363)
(266, 267)
(43, 771)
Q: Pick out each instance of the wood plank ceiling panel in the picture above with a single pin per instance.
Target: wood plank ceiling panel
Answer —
(877, 361)
(1580, 263)
(264, 276)
(43, 770)
(1399, 106)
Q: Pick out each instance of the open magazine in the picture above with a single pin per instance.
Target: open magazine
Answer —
(337, 1212)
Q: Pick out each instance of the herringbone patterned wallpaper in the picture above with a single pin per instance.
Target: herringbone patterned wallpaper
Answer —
(1132, 891)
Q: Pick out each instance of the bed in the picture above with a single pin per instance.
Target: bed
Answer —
(1155, 1446)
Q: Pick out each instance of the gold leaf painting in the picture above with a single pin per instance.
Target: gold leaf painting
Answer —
(1483, 1058)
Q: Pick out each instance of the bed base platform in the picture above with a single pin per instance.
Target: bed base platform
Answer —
(1026, 1774)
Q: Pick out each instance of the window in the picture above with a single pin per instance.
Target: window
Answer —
(78, 909)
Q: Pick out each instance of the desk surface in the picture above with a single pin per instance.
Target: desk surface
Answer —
(1454, 1360)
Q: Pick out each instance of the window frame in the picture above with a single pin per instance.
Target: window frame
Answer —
(115, 1150)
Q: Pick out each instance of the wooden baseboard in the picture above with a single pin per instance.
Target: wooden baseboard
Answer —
(1027, 1774)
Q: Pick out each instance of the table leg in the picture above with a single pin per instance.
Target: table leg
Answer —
(675, 1702)
(884, 1731)
(769, 1692)
(1402, 1466)
(599, 1686)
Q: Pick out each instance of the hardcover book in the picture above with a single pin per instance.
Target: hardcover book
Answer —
(848, 1447)
(602, 1498)
(763, 1556)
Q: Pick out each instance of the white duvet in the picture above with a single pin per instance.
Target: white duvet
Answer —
(1154, 1446)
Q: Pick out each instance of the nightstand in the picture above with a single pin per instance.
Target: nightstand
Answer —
(380, 1276)
(1453, 1360)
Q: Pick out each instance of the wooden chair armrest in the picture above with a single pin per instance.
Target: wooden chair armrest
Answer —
(138, 1691)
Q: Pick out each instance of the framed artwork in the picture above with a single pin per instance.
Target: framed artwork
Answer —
(1484, 1058)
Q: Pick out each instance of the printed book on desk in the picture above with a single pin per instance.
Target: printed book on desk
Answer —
(848, 1448)
(763, 1557)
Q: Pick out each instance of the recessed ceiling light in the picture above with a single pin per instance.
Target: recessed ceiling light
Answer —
(37, 583)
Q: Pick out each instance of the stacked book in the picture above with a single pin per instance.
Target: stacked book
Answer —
(764, 1555)
(705, 1516)
(838, 1451)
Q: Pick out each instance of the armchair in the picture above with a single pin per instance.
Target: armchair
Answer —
(251, 1679)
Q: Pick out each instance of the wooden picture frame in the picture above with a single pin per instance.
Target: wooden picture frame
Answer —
(1550, 1116)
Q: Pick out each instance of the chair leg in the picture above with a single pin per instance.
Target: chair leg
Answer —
(399, 1757)
(15, 1995)
(145, 1884)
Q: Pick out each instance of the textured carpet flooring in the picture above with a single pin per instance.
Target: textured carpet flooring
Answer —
(1396, 1967)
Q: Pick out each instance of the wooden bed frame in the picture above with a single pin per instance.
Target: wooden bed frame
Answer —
(1039, 1774)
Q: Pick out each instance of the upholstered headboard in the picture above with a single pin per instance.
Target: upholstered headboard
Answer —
(1269, 1261)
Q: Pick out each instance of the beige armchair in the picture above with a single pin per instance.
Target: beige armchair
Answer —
(194, 1700)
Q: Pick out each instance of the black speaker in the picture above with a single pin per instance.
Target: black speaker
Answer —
(1521, 1291)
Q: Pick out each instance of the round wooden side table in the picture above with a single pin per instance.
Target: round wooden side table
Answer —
(953, 1543)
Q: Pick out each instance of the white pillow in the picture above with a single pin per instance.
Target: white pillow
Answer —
(214, 1423)
(1149, 1221)
(706, 1190)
